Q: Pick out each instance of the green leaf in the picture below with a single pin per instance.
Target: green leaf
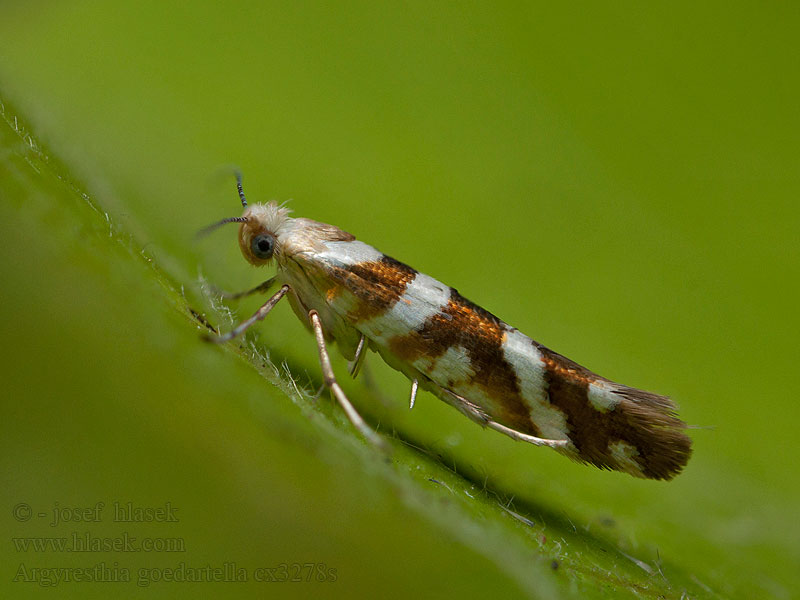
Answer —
(619, 185)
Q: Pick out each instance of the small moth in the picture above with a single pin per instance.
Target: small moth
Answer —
(347, 292)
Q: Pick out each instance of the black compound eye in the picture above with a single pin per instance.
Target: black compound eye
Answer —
(263, 245)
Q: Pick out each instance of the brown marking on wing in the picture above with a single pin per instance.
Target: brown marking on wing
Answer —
(377, 285)
(568, 390)
(642, 419)
(463, 323)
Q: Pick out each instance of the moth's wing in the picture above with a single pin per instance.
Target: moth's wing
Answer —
(328, 280)
(473, 360)
(374, 293)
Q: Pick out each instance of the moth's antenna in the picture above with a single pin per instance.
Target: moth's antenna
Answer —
(239, 187)
(206, 230)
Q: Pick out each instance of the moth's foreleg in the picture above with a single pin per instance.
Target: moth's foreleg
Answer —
(330, 381)
(258, 316)
(261, 288)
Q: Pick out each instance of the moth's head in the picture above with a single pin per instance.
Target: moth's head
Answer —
(259, 228)
(258, 232)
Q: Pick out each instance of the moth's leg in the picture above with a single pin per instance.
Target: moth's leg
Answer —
(261, 288)
(330, 381)
(414, 385)
(258, 316)
(358, 359)
(524, 437)
(475, 413)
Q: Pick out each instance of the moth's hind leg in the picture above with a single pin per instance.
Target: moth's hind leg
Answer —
(524, 437)
(338, 393)
(478, 415)
(464, 406)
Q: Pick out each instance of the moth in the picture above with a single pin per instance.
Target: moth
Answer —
(347, 292)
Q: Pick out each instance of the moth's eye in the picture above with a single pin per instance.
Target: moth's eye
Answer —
(262, 246)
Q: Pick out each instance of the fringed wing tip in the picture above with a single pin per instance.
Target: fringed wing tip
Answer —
(656, 432)
(641, 436)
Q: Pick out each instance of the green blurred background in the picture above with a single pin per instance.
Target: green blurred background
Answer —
(620, 182)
